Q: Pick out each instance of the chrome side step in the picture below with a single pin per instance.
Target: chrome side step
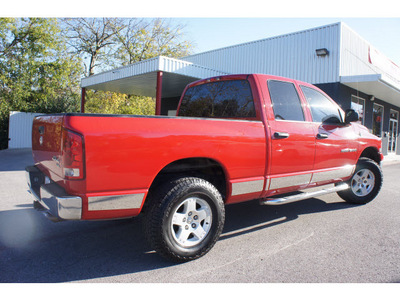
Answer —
(302, 196)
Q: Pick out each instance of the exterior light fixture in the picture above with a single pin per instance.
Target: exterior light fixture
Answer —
(322, 52)
(372, 98)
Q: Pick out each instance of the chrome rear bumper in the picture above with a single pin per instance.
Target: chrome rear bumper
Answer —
(52, 199)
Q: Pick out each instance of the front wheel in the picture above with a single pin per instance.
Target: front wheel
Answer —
(365, 183)
(185, 219)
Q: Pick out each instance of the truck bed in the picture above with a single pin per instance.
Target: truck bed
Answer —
(124, 153)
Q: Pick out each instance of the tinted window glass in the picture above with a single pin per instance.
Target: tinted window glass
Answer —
(285, 101)
(322, 109)
(219, 99)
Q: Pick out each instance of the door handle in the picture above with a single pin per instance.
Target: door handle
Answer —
(322, 136)
(281, 135)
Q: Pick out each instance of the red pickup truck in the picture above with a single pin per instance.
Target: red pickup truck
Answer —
(235, 138)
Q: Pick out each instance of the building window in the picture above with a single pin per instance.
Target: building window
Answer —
(285, 101)
(358, 104)
(377, 120)
(394, 115)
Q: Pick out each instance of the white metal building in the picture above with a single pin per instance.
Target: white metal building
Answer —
(20, 129)
(333, 57)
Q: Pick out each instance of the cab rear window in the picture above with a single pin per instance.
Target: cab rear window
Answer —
(219, 99)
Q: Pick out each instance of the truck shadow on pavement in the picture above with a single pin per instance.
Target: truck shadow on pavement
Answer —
(33, 249)
(15, 159)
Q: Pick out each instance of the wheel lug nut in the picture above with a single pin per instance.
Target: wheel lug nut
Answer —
(184, 220)
(193, 225)
(190, 213)
(187, 227)
(195, 217)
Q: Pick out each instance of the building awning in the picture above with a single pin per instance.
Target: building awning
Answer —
(141, 78)
(378, 85)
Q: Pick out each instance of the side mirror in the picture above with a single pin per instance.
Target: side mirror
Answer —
(350, 116)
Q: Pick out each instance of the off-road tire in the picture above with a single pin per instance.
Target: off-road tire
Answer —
(177, 206)
(365, 183)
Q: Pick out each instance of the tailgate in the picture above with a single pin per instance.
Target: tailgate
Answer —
(46, 143)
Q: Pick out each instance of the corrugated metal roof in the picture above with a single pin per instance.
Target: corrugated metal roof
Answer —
(291, 55)
(140, 78)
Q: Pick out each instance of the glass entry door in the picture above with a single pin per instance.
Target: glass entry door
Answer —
(393, 131)
(377, 120)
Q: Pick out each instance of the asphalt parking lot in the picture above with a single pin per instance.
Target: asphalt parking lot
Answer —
(321, 239)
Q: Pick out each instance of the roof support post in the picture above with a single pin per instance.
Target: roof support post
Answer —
(83, 99)
(158, 92)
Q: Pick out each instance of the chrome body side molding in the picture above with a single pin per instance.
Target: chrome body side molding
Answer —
(247, 187)
(288, 181)
(129, 201)
(342, 172)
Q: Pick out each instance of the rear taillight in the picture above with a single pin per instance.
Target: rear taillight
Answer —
(72, 155)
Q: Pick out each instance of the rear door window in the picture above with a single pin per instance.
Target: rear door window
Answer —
(285, 101)
(219, 99)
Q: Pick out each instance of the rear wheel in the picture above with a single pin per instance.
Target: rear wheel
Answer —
(185, 219)
(365, 183)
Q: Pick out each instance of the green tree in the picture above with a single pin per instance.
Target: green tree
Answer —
(143, 39)
(93, 39)
(116, 103)
(37, 74)
(105, 43)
